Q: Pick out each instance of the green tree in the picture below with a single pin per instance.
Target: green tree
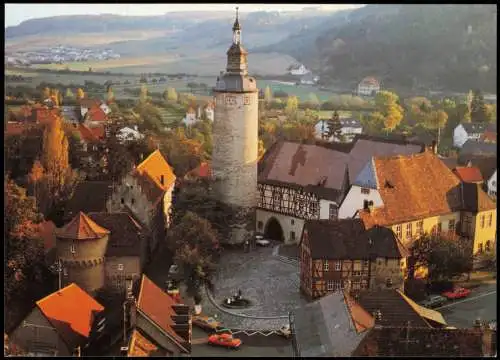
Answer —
(445, 257)
(110, 95)
(170, 95)
(69, 94)
(478, 109)
(387, 103)
(335, 127)
(196, 247)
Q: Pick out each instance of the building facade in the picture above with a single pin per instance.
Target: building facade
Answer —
(235, 139)
(467, 131)
(369, 86)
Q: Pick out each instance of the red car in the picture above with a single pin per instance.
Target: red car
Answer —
(224, 340)
(457, 293)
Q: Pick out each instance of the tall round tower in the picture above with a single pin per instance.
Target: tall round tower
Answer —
(235, 136)
(81, 246)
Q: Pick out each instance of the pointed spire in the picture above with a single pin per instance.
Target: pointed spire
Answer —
(236, 25)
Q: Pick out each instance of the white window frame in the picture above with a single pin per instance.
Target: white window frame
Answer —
(409, 230)
(420, 227)
(72, 248)
(326, 265)
(338, 265)
(330, 285)
(337, 286)
(120, 267)
(399, 231)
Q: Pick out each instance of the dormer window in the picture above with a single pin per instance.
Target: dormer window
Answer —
(389, 184)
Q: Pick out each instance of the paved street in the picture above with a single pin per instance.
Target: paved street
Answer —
(482, 303)
(253, 346)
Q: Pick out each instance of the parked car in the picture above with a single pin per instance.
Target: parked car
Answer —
(434, 301)
(457, 293)
(224, 340)
(206, 323)
(259, 240)
(285, 331)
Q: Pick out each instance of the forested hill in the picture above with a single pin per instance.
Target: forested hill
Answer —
(450, 47)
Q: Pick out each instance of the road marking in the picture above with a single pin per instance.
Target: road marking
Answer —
(469, 299)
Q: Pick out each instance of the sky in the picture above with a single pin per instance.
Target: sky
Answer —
(17, 13)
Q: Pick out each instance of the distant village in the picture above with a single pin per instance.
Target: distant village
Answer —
(58, 55)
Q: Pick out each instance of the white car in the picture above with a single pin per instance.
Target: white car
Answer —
(259, 240)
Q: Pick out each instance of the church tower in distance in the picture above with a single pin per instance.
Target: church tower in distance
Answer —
(235, 139)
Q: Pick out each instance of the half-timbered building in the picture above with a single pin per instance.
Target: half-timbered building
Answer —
(342, 254)
(299, 182)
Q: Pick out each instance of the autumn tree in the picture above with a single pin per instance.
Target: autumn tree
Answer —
(69, 94)
(80, 94)
(196, 247)
(268, 95)
(143, 95)
(45, 93)
(35, 176)
(110, 95)
(387, 104)
(292, 104)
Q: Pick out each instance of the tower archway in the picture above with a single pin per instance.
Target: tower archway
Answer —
(273, 230)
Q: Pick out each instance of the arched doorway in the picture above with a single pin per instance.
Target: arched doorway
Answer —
(273, 230)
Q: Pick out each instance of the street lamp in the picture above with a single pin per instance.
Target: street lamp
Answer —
(58, 268)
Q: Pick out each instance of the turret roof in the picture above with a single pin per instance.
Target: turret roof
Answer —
(81, 228)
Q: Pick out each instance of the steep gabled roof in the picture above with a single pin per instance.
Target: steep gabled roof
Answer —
(413, 187)
(474, 128)
(468, 174)
(155, 166)
(142, 345)
(71, 312)
(81, 228)
(81, 200)
(475, 199)
(158, 307)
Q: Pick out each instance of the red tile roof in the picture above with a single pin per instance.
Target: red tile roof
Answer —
(361, 318)
(15, 128)
(88, 103)
(489, 136)
(81, 228)
(95, 113)
(203, 171)
(412, 187)
(468, 174)
(370, 81)
(91, 134)
(141, 345)
(158, 307)
(71, 311)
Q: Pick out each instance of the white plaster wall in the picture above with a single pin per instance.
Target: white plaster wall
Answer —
(285, 222)
(324, 208)
(355, 199)
(459, 136)
(492, 185)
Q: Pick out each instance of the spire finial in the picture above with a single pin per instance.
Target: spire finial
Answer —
(236, 25)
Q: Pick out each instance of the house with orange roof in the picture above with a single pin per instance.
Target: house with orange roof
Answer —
(146, 192)
(158, 325)
(419, 194)
(59, 325)
(468, 174)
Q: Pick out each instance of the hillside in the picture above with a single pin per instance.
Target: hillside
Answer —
(450, 47)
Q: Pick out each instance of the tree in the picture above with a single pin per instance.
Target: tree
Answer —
(196, 247)
(45, 93)
(387, 103)
(35, 176)
(110, 95)
(268, 95)
(80, 94)
(170, 95)
(478, 109)
(292, 104)
(335, 127)
(143, 96)
(443, 256)
(69, 94)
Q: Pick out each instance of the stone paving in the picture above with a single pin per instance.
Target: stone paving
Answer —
(270, 284)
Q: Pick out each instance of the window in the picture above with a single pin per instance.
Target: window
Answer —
(65, 272)
(260, 225)
(399, 231)
(388, 282)
(420, 227)
(409, 230)
(132, 201)
(365, 191)
(366, 263)
(330, 285)
(480, 248)
(356, 285)
(120, 267)
(386, 261)
(333, 212)
(490, 219)
(439, 228)
(338, 265)
(364, 284)
(122, 200)
(72, 249)
(292, 222)
(338, 286)
(325, 265)
(482, 221)
(292, 235)
(488, 246)
(451, 226)
(467, 225)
